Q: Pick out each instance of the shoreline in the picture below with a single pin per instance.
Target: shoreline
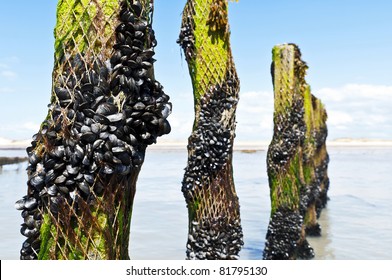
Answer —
(238, 146)
(263, 146)
(12, 160)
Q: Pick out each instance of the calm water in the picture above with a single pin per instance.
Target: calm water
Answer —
(357, 224)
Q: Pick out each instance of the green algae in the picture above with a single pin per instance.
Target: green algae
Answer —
(78, 25)
(210, 63)
(46, 232)
(294, 181)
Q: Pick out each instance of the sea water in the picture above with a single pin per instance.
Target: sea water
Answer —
(357, 223)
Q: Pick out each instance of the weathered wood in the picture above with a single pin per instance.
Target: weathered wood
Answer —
(106, 108)
(297, 159)
(214, 218)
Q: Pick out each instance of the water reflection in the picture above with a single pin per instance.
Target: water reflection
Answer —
(323, 245)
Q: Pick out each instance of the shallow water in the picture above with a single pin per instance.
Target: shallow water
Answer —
(356, 224)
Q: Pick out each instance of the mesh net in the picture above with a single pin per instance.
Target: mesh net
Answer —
(298, 144)
(214, 228)
(106, 108)
(208, 52)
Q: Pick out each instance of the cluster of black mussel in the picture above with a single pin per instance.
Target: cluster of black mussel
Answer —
(285, 226)
(210, 145)
(211, 142)
(284, 231)
(214, 239)
(100, 122)
(290, 127)
(187, 39)
(313, 193)
(321, 172)
(289, 133)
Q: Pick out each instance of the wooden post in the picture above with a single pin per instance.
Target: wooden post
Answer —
(106, 108)
(214, 219)
(297, 159)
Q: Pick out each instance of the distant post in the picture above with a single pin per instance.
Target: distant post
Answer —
(106, 108)
(214, 218)
(297, 159)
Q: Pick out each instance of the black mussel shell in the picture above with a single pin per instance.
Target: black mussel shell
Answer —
(84, 187)
(37, 182)
(108, 156)
(88, 137)
(50, 176)
(19, 205)
(122, 169)
(60, 179)
(124, 158)
(98, 144)
(106, 109)
(107, 169)
(29, 221)
(73, 170)
(30, 203)
(52, 190)
(96, 128)
(137, 8)
(89, 178)
(62, 93)
(164, 127)
(118, 150)
(101, 119)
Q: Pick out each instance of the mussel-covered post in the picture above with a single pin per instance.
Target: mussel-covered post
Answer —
(214, 218)
(297, 159)
(106, 108)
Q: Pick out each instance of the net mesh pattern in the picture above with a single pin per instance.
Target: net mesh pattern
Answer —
(106, 108)
(214, 229)
(296, 159)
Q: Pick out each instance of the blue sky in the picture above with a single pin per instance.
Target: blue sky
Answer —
(347, 45)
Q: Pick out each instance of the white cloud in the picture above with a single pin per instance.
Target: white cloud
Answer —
(378, 92)
(330, 94)
(377, 119)
(6, 70)
(254, 116)
(354, 110)
(358, 110)
(356, 92)
(31, 126)
(181, 126)
(181, 118)
(6, 90)
(8, 74)
(19, 130)
(253, 105)
(339, 118)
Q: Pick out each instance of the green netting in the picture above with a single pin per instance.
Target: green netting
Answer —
(297, 159)
(214, 219)
(106, 108)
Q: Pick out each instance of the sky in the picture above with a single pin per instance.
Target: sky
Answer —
(346, 44)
